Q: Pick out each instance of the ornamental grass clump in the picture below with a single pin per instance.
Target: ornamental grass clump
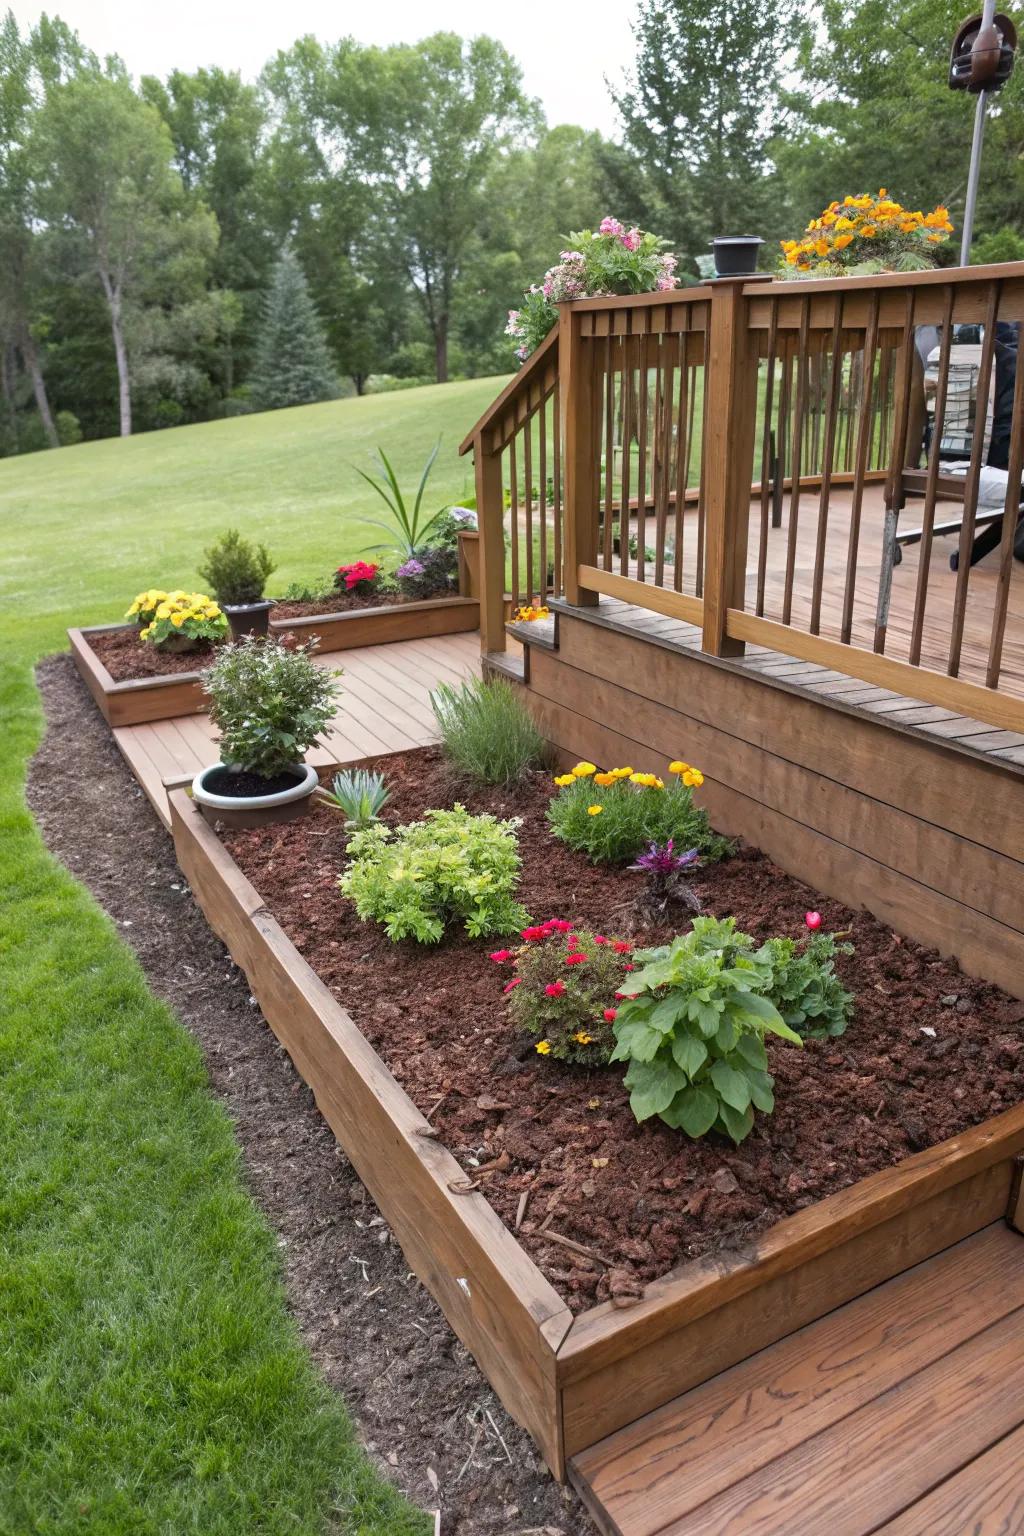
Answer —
(269, 702)
(613, 816)
(449, 870)
(360, 796)
(486, 731)
(693, 1028)
(564, 987)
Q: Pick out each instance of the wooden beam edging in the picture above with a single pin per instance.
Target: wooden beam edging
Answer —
(357, 627)
(137, 700)
(496, 1299)
(999, 709)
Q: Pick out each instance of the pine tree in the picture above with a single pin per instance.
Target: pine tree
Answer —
(293, 365)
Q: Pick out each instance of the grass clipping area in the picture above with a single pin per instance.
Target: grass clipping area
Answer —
(151, 1376)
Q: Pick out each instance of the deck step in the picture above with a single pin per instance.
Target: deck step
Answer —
(902, 1411)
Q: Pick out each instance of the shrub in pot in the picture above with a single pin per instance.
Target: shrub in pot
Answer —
(269, 701)
(236, 572)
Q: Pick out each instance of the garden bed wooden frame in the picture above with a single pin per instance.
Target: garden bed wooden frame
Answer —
(141, 699)
(571, 1381)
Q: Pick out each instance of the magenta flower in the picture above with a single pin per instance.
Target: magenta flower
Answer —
(610, 226)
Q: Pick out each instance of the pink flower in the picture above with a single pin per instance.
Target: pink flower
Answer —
(511, 985)
(631, 239)
(610, 1015)
(813, 920)
(558, 925)
(555, 988)
(576, 958)
(610, 226)
(599, 938)
(629, 967)
(499, 956)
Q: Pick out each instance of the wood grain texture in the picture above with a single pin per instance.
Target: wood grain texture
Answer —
(139, 700)
(985, 1498)
(495, 1298)
(381, 626)
(670, 1462)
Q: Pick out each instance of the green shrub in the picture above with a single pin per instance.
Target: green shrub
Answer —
(235, 570)
(486, 731)
(805, 988)
(269, 703)
(448, 869)
(693, 1031)
(612, 816)
(69, 428)
(359, 795)
(564, 990)
(316, 591)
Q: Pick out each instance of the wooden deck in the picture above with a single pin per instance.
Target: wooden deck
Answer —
(384, 707)
(900, 1413)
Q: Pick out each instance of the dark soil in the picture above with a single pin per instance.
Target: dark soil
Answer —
(423, 1409)
(237, 783)
(929, 1053)
(340, 602)
(126, 657)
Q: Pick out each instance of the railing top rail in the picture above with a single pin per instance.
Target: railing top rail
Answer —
(696, 292)
(935, 276)
(515, 386)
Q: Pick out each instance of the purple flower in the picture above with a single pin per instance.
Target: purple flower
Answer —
(665, 860)
(412, 567)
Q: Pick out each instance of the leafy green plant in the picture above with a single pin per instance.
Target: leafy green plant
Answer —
(692, 1030)
(359, 794)
(805, 987)
(407, 527)
(236, 571)
(269, 702)
(612, 816)
(315, 591)
(564, 988)
(487, 731)
(451, 868)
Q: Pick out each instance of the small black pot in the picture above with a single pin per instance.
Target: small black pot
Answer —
(249, 618)
(736, 255)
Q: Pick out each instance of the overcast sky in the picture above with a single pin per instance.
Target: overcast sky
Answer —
(565, 51)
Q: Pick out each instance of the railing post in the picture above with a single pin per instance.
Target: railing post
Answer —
(576, 385)
(730, 411)
(490, 520)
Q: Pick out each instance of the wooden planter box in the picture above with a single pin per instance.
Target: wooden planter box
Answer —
(141, 698)
(379, 626)
(571, 1381)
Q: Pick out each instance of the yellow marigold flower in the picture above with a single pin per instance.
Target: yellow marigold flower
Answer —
(604, 779)
(658, 784)
(544, 1047)
(934, 239)
(584, 770)
(843, 223)
(646, 779)
(622, 773)
(564, 780)
(842, 241)
(679, 766)
(177, 619)
(869, 231)
(144, 634)
(594, 810)
(694, 779)
(821, 247)
(163, 611)
(582, 1038)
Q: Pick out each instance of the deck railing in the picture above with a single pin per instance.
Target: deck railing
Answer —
(745, 455)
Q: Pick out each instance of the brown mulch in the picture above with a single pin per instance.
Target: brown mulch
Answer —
(929, 1053)
(126, 657)
(340, 602)
(421, 1405)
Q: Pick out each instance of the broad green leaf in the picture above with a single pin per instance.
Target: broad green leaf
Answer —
(761, 1086)
(760, 1007)
(695, 1111)
(732, 1086)
(736, 1124)
(652, 1086)
(690, 1053)
(667, 1012)
(751, 1048)
(706, 1016)
(636, 1041)
(727, 1034)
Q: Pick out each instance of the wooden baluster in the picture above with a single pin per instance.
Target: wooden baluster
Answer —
(609, 453)
(490, 511)
(1011, 506)
(626, 453)
(542, 424)
(799, 418)
(698, 580)
(782, 431)
(730, 410)
(973, 477)
(643, 411)
(513, 522)
(528, 535)
(835, 384)
(581, 450)
(864, 426)
(556, 474)
(663, 455)
(684, 426)
(895, 496)
(766, 459)
(931, 483)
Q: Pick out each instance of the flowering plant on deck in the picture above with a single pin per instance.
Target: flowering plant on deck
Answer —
(612, 816)
(179, 621)
(610, 259)
(359, 578)
(563, 988)
(862, 235)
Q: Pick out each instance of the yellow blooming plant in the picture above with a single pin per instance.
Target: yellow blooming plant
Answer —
(529, 613)
(862, 235)
(178, 621)
(612, 815)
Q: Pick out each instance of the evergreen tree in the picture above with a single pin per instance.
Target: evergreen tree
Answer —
(293, 365)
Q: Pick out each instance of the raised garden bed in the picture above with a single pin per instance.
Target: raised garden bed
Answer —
(874, 1159)
(376, 622)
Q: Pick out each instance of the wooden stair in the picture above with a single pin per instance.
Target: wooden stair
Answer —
(900, 1413)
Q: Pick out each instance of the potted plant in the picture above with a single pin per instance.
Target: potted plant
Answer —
(269, 702)
(736, 255)
(861, 236)
(236, 572)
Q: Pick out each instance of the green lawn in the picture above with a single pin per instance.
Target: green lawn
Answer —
(151, 1379)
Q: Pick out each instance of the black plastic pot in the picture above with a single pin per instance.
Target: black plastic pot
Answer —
(736, 255)
(248, 618)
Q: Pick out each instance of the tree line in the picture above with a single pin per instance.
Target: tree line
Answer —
(181, 249)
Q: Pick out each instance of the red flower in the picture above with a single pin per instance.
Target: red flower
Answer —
(555, 988)
(813, 920)
(629, 967)
(599, 938)
(611, 1014)
(622, 948)
(573, 941)
(510, 984)
(499, 956)
(628, 995)
(531, 935)
(359, 571)
(576, 958)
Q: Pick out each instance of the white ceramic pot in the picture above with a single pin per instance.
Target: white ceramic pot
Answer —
(255, 810)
